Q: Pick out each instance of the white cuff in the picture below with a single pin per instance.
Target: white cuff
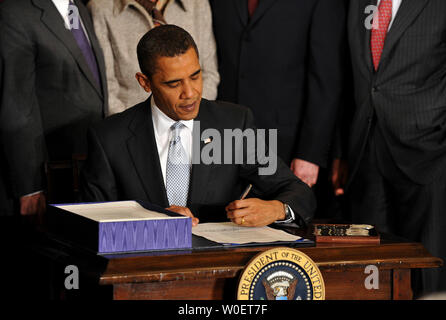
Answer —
(32, 194)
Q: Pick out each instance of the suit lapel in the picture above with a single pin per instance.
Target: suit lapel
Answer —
(242, 10)
(359, 35)
(262, 8)
(407, 13)
(54, 22)
(144, 153)
(200, 172)
(366, 34)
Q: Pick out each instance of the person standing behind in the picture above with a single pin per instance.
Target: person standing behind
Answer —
(52, 87)
(396, 143)
(283, 59)
(120, 24)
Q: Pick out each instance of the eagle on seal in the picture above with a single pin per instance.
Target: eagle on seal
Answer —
(280, 286)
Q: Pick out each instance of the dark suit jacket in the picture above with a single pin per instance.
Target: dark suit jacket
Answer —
(286, 64)
(48, 95)
(407, 94)
(123, 164)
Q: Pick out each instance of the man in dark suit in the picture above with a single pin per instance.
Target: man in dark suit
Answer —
(283, 59)
(52, 87)
(397, 147)
(133, 155)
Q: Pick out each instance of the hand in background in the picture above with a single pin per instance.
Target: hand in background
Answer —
(33, 207)
(305, 171)
(255, 212)
(339, 175)
(34, 204)
(184, 212)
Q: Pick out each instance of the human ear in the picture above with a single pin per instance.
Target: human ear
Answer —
(143, 81)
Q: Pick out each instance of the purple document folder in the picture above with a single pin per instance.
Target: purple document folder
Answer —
(122, 226)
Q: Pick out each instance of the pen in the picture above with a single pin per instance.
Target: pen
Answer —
(245, 193)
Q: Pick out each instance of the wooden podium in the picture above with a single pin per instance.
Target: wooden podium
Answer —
(214, 273)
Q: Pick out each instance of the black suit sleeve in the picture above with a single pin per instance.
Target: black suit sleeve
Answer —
(21, 134)
(326, 52)
(280, 184)
(97, 178)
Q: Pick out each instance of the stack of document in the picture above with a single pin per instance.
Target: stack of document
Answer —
(121, 226)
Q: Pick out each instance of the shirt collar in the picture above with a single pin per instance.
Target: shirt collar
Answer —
(162, 123)
(62, 6)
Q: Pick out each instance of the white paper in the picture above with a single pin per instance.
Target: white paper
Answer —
(231, 233)
(115, 211)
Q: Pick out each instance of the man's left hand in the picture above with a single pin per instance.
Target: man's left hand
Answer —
(305, 171)
(254, 212)
(185, 212)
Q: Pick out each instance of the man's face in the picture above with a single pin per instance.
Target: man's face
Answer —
(176, 85)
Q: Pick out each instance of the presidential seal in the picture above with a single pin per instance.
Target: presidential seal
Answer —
(281, 274)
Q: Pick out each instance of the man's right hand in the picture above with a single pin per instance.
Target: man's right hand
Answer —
(33, 204)
(184, 212)
(339, 175)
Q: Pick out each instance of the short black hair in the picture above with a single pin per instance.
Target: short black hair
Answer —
(163, 41)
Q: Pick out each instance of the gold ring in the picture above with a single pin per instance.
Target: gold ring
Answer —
(243, 220)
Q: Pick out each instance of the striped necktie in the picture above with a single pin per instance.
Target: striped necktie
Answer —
(153, 11)
(177, 170)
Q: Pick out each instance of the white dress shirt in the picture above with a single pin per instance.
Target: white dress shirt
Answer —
(395, 6)
(163, 135)
(62, 7)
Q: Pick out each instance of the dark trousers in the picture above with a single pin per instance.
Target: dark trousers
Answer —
(381, 195)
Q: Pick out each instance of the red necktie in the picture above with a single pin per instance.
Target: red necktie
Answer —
(252, 5)
(379, 30)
